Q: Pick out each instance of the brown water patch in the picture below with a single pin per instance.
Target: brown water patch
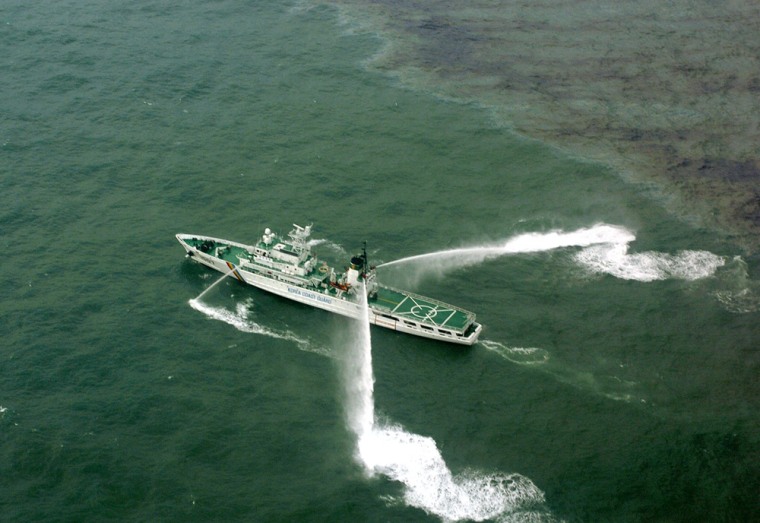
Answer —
(665, 93)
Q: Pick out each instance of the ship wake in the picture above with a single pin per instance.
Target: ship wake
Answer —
(607, 385)
(241, 321)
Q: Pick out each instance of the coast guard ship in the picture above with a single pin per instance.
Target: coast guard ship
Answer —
(287, 267)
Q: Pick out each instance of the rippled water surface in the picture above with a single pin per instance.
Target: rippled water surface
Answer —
(616, 376)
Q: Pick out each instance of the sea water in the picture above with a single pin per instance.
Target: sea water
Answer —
(616, 375)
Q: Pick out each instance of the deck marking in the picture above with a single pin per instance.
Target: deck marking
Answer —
(400, 303)
(426, 312)
(447, 319)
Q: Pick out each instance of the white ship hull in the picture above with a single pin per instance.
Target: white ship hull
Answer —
(292, 287)
(290, 291)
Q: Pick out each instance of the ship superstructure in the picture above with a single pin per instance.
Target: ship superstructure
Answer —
(286, 266)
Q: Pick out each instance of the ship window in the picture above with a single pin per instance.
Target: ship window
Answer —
(444, 332)
(427, 328)
(410, 323)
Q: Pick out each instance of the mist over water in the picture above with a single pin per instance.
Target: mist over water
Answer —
(605, 251)
(523, 243)
(217, 282)
(356, 369)
(649, 266)
(123, 398)
(415, 461)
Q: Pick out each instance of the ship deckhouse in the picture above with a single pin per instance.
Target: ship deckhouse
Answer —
(288, 268)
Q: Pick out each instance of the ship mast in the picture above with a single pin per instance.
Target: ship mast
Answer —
(368, 274)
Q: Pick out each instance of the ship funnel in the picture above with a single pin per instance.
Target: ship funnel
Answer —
(357, 263)
(356, 268)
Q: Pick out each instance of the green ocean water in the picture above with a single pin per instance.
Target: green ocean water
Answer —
(615, 380)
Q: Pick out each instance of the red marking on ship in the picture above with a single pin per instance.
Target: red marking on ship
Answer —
(235, 272)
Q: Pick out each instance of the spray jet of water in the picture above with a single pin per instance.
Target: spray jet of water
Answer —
(416, 461)
(442, 262)
(358, 378)
(524, 243)
(217, 282)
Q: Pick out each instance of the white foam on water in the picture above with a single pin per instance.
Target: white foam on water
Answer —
(519, 355)
(610, 387)
(605, 250)
(614, 259)
(239, 319)
(328, 244)
(441, 262)
(416, 462)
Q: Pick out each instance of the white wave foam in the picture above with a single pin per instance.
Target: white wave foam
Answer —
(522, 243)
(610, 387)
(613, 259)
(328, 244)
(519, 355)
(416, 462)
(239, 320)
(605, 250)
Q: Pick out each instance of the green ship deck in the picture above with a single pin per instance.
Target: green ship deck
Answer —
(389, 302)
(420, 309)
